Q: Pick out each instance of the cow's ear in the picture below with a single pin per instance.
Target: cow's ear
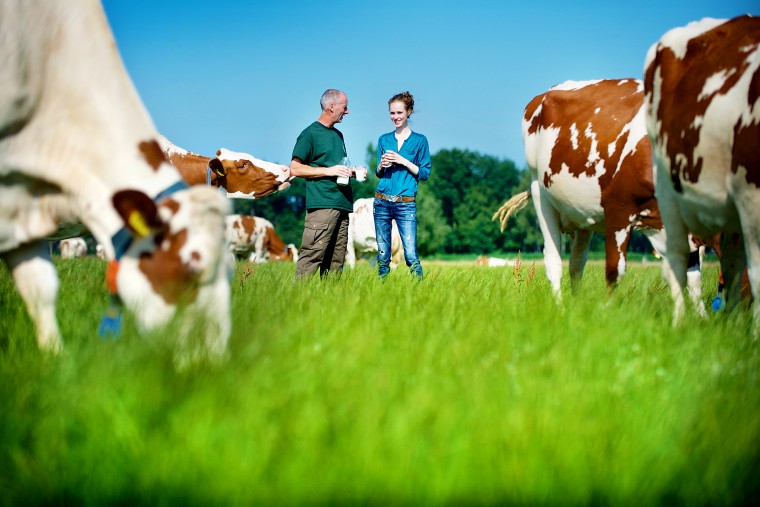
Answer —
(138, 211)
(217, 166)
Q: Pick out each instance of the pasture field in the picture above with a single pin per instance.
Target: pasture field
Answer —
(472, 387)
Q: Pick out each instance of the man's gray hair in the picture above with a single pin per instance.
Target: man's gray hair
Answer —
(330, 96)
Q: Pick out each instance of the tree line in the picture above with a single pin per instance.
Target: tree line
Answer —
(454, 207)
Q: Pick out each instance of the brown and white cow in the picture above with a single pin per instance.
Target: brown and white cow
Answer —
(72, 248)
(702, 85)
(76, 141)
(255, 239)
(592, 171)
(241, 175)
(362, 240)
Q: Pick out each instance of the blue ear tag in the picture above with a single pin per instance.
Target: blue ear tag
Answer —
(110, 324)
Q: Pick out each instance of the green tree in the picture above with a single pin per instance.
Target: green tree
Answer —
(521, 232)
(432, 229)
(470, 187)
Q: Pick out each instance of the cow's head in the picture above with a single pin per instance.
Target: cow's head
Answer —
(171, 253)
(245, 176)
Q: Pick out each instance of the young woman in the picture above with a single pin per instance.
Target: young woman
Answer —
(403, 161)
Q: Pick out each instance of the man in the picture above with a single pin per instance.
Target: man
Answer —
(317, 157)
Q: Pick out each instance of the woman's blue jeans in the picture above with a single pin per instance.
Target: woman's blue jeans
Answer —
(405, 214)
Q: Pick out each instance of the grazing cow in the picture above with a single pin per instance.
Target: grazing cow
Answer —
(76, 141)
(241, 175)
(362, 241)
(702, 86)
(591, 170)
(255, 239)
(71, 248)
(493, 262)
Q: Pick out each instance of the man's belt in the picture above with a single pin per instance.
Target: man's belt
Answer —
(395, 198)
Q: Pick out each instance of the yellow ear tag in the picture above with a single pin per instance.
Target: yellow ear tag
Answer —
(137, 222)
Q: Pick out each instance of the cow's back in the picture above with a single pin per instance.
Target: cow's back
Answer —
(586, 144)
(703, 83)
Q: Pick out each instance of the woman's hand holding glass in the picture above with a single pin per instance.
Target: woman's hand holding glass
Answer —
(391, 157)
(385, 160)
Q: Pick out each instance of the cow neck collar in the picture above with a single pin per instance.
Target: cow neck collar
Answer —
(123, 238)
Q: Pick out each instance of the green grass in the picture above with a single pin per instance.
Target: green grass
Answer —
(472, 387)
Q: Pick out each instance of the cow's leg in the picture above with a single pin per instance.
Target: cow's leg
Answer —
(658, 239)
(732, 264)
(548, 221)
(694, 276)
(747, 204)
(676, 243)
(579, 256)
(37, 283)
(617, 236)
(752, 249)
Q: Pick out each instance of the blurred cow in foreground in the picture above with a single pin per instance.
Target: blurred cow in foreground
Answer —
(77, 142)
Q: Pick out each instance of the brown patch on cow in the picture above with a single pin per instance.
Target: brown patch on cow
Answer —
(152, 153)
(684, 79)
(193, 168)
(530, 111)
(169, 276)
(596, 113)
(276, 247)
(547, 180)
(248, 224)
(745, 151)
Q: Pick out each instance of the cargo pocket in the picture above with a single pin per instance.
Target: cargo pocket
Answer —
(315, 233)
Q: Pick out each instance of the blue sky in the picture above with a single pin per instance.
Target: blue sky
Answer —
(247, 75)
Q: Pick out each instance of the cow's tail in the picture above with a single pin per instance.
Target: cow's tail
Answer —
(512, 206)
